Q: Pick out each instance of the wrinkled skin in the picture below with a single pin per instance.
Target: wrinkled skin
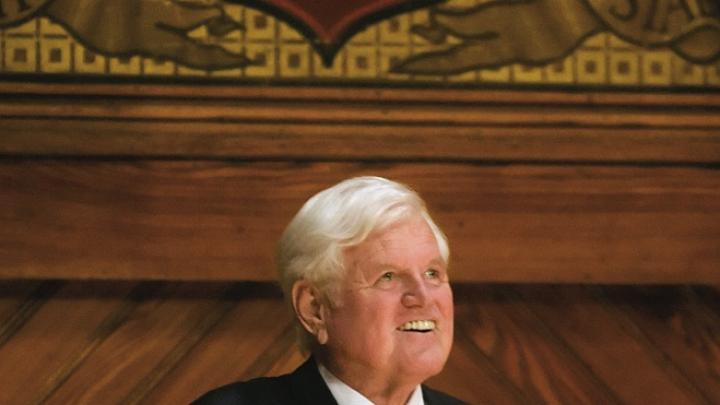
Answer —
(395, 276)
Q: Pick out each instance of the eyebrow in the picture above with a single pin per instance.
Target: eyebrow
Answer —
(438, 261)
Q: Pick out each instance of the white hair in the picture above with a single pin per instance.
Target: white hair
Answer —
(340, 217)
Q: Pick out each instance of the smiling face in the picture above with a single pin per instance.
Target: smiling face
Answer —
(394, 318)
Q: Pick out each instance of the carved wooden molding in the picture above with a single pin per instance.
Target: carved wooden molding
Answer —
(357, 123)
(197, 182)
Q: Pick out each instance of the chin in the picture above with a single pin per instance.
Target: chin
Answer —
(426, 365)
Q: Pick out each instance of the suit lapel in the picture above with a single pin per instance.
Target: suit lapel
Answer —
(432, 397)
(309, 387)
(427, 396)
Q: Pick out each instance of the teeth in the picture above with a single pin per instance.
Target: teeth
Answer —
(418, 326)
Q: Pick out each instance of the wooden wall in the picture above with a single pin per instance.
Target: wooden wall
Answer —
(181, 182)
(104, 187)
(110, 342)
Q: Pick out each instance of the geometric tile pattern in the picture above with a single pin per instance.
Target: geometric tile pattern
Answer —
(41, 47)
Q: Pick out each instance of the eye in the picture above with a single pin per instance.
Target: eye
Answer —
(432, 273)
(387, 276)
(436, 275)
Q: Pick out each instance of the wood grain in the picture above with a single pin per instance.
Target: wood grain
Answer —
(358, 94)
(606, 344)
(356, 123)
(220, 220)
(125, 364)
(352, 141)
(259, 331)
(19, 300)
(519, 345)
(168, 342)
(470, 376)
(680, 325)
(57, 337)
(322, 112)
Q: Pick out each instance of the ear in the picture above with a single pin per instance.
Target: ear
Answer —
(310, 309)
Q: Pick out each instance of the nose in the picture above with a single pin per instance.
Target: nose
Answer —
(415, 294)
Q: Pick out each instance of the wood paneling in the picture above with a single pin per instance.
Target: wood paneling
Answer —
(140, 351)
(196, 182)
(526, 351)
(357, 124)
(168, 342)
(683, 324)
(18, 302)
(614, 350)
(56, 337)
(344, 94)
(353, 141)
(221, 220)
(182, 182)
(259, 331)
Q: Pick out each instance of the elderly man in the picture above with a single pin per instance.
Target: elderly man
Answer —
(364, 268)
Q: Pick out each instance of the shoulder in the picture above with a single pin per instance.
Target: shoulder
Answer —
(434, 397)
(302, 386)
(264, 390)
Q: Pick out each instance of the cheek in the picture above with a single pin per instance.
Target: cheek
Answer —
(376, 315)
(445, 300)
(376, 320)
(361, 318)
(447, 309)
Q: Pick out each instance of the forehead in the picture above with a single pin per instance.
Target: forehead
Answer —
(404, 244)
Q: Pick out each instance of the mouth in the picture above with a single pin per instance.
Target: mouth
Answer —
(421, 326)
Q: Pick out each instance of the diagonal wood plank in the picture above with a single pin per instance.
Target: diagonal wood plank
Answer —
(238, 347)
(59, 334)
(19, 300)
(471, 376)
(526, 352)
(12, 296)
(127, 358)
(610, 347)
(115, 318)
(278, 358)
(181, 350)
(677, 322)
(158, 343)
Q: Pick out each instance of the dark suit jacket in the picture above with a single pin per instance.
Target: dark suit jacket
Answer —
(303, 386)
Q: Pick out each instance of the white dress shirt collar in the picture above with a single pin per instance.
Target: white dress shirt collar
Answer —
(346, 395)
